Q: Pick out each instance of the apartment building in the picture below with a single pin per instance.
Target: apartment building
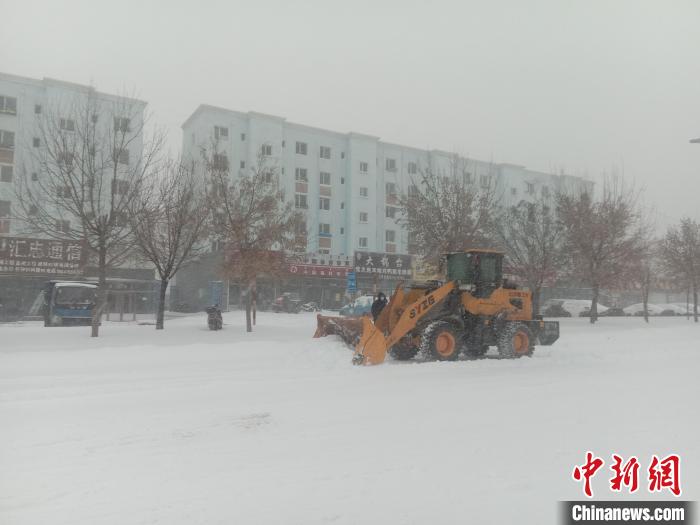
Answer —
(347, 183)
(25, 106)
(28, 106)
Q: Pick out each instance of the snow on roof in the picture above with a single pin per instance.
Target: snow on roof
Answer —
(75, 285)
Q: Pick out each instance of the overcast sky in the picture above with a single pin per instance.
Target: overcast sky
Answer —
(585, 86)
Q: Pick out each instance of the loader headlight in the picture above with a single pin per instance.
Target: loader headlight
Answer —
(55, 319)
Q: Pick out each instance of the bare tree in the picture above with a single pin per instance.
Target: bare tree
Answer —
(81, 182)
(604, 236)
(680, 256)
(532, 238)
(447, 211)
(169, 222)
(253, 220)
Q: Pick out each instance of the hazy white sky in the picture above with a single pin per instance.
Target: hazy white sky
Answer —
(587, 86)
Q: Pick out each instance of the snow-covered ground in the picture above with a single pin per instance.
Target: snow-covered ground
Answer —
(190, 426)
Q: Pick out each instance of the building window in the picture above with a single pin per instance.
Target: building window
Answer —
(121, 156)
(362, 242)
(63, 192)
(325, 178)
(342, 205)
(514, 191)
(545, 191)
(122, 124)
(35, 176)
(325, 152)
(5, 209)
(300, 201)
(390, 212)
(221, 133)
(8, 105)
(266, 150)
(242, 164)
(220, 161)
(37, 109)
(266, 175)
(66, 124)
(529, 188)
(301, 148)
(7, 139)
(342, 154)
(94, 118)
(300, 175)
(324, 229)
(63, 226)
(242, 137)
(36, 142)
(363, 216)
(390, 236)
(284, 143)
(120, 187)
(364, 167)
(364, 192)
(412, 168)
(6, 173)
(485, 181)
(324, 203)
(342, 180)
(65, 158)
(390, 164)
(412, 190)
(390, 188)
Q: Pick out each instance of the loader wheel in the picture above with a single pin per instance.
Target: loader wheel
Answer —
(403, 352)
(441, 341)
(515, 340)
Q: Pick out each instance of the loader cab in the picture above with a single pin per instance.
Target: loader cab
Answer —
(478, 271)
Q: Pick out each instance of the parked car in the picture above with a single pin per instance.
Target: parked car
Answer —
(555, 309)
(287, 302)
(614, 311)
(360, 306)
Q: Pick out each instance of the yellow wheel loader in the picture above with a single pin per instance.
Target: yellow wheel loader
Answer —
(470, 311)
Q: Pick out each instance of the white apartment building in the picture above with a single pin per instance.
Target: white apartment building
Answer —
(23, 103)
(347, 182)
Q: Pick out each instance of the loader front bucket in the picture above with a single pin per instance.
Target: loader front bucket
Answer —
(371, 349)
(348, 328)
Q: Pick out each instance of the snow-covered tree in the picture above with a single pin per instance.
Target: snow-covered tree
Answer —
(169, 222)
(256, 225)
(532, 238)
(680, 256)
(604, 236)
(446, 211)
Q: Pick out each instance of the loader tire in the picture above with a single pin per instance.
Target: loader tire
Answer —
(402, 352)
(441, 340)
(515, 340)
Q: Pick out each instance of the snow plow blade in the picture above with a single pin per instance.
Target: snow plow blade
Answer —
(348, 328)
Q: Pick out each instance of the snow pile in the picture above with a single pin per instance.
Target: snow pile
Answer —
(192, 426)
(576, 306)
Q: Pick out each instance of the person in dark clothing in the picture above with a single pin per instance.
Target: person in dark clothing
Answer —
(378, 305)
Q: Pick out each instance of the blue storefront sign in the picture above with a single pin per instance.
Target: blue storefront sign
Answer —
(351, 282)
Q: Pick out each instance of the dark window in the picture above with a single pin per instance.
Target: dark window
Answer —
(6, 173)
